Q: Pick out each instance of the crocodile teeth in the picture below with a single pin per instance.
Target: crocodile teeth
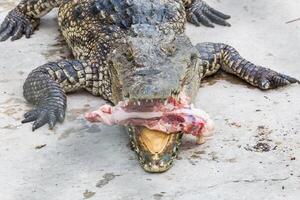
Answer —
(166, 102)
(126, 102)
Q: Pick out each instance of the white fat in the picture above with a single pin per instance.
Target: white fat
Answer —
(120, 115)
(126, 102)
(169, 106)
(165, 102)
(194, 111)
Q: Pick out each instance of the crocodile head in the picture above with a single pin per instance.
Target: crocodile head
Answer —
(146, 68)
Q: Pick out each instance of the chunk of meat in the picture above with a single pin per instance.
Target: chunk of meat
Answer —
(171, 117)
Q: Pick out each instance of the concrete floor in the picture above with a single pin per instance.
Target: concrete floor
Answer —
(254, 154)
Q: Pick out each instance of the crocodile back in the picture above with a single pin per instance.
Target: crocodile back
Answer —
(126, 13)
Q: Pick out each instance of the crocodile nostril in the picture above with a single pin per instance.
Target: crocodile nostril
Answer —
(147, 72)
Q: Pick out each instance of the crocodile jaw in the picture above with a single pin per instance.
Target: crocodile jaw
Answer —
(155, 150)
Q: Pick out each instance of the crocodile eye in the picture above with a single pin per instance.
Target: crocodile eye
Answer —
(128, 55)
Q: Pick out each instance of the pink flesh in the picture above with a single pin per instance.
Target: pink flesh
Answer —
(174, 116)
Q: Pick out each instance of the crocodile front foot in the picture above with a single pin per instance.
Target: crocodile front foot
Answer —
(270, 79)
(48, 111)
(198, 12)
(16, 24)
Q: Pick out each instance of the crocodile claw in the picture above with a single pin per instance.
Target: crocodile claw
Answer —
(269, 79)
(15, 25)
(200, 13)
(49, 112)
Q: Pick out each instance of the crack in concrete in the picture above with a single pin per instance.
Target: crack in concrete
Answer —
(250, 181)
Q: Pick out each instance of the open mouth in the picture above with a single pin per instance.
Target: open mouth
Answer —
(155, 127)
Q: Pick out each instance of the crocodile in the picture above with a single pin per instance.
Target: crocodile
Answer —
(129, 50)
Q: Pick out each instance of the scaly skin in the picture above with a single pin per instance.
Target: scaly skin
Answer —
(129, 50)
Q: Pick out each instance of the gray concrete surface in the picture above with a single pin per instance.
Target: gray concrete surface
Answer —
(254, 154)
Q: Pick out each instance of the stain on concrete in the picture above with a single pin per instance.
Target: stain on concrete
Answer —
(13, 100)
(263, 131)
(262, 140)
(107, 177)
(194, 156)
(88, 194)
(197, 154)
(231, 160)
(9, 80)
(21, 73)
(192, 162)
(67, 133)
(10, 127)
(293, 158)
(40, 146)
(246, 8)
(261, 147)
(73, 114)
(158, 196)
(13, 107)
(131, 158)
(94, 128)
(187, 145)
(9, 111)
(200, 152)
(232, 124)
(213, 156)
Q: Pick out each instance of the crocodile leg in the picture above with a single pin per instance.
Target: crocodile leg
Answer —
(198, 12)
(46, 86)
(23, 19)
(217, 56)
